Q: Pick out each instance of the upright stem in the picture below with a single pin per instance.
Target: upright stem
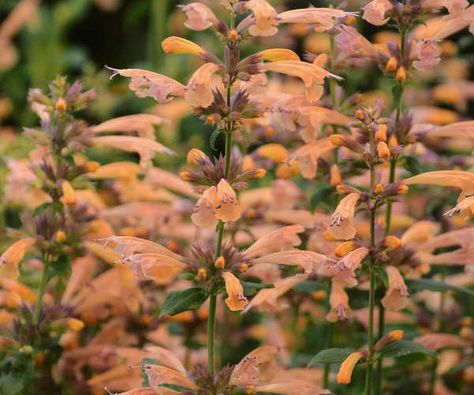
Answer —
(41, 290)
(372, 287)
(211, 329)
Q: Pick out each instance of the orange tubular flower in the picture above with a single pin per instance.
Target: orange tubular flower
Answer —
(344, 375)
(236, 300)
(278, 54)
(179, 45)
(312, 76)
(308, 155)
(12, 257)
(69, 195)
(342, 221)
(264, 16)
(396, 297)
(142, 124)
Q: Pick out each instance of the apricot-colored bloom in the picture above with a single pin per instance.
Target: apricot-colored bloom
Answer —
(345, 268)
(216, 203)
(13, 255)
(355, 44)
(266, 300)
(149, 84)
(307, 260)
(127, 245)
(344, 375)
(200, 16)
(256, 367)
(69, 195)
(375, 12)
(342, 221)
(339, 303)
(160, 268)
(280, 239)
(179, 45)
(199, 88)
(265, 18)
(438, 341)
(396, 297)
(159, 375)
(142, 124)
(146, 148)
(322, 18)
(308, 156)
(428, 54)
(312, 76)
(236, 300)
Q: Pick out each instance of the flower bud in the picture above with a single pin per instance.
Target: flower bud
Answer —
(91, 166)
(61, 105)
(185, 175)
(381, 133)
(391, 65)
(402, 189)
(389, 338)
(378, 188)
(194, 156)
(382, 150)
(212, 119)
(393, 142)
(319, 295)
(335, 178)
(220, 263)
(202, 274)
(392, 242)
(360, 114)
(401, 75)
(179, 45)
(259, 173)
(75, 325)
(233, 35)
(243, 267)
(60, 236)
(277, 153)
(351, 20)
(344, 375)
(69, 195)
(344, 248)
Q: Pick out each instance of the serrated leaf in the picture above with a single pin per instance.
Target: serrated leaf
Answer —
(179, 301)
(435, 286)
(331, 355)
(402, 348)
(309, 286)
(251, 289)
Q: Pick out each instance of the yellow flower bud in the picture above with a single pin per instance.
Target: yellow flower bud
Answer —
(243, 267)
(391, 65)
(389, 338)
(61, 105)
(250, 390)
(75, 325)
(393, 242)
(403, 189)
(381, 133)
(337, 140)
(179, 45)
(185, 175)
(335, 178)
(327, 236)
(359, 114)
(202, 274)
(319, 295)
(378, 188)
(344, 375)
(259, 173)
(233, 35)
(276, 54)
(220, 263)
(351, 20)
(212, 119)
(91, 166)
(60, 236)
(401, 75)
(382, 150)
(344, 248)
(277, 153)
(69, 195)
(393, 142)
(194, 156)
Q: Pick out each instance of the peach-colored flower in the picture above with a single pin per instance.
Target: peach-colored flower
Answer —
(355, 44)
(158, 375)
(264, 18)
(127, 245)
(149, 84)
(142, 124)
(199, 88)
(179, 45)
(306, 260)
(69, 195)
(344, 375)
(312, 76)
(375, 12)
(146, 148)
(308, 156)
(439, 341)
(200, 16)
(322, 18)
(236, 300)
(162, 269)
(396, 297)
(280, 239)
(11, 258)
(339, 302)
(266, 300)
(256, 367)
(427, 54)
(344, 270)
(342, 221)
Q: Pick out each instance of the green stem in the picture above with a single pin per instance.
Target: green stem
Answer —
(327, 366)
(370, 358)
(388, 212)
(41, 290)
(211, 329)
(434, 367)
(156, 31)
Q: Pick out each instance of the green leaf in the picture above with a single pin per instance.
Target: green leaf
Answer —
(212, 140)
(436, 286)
(309, 286)
(251, 289)
(331, 355)
(40, 209)
(412, 165)
(321, 194)
(179, 301)
(402, 348)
